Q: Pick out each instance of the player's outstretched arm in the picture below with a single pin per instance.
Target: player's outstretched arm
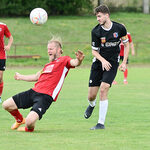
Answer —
(29, 78)
(79, 58)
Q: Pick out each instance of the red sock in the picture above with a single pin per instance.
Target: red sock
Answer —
(126, 74)
(1, 87)
(17, 115)
(29, 130)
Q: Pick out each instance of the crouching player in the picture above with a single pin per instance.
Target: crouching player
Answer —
(46, 89)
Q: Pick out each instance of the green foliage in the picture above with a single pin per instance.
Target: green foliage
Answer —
(53, 7)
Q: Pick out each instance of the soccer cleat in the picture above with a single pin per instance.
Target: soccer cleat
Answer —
(88, 112)
(16, 124)
(0, 100)
(125, 82)
(114, 82)
(98, 126)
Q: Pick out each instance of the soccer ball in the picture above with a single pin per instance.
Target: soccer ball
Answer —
(38, 16)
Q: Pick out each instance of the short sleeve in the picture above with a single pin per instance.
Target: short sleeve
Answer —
(7, 32)
(129, 37)
(67, 60)
(95, 41)
(124, 36)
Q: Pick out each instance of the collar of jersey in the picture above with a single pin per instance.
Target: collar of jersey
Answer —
(109, 28)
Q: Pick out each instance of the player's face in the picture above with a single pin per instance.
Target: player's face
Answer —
(101, 18)
(52, 51)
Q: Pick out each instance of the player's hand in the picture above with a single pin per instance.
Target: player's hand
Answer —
(106, 65)
(122, 67)
(6, 48)
(17, 76)
(79, 55)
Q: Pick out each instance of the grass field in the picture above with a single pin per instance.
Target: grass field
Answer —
(63, 127)
(73, 29)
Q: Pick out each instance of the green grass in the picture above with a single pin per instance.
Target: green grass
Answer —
(74, 29)
(63, 126)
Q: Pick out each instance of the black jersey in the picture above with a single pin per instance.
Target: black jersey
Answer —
(107, 42)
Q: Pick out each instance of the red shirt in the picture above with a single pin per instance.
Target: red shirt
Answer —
(122, 45)
(52, 77)
(4, 31)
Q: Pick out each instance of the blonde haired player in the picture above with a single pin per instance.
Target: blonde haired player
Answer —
(46, 89)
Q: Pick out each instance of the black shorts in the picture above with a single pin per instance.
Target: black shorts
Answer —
(2, 64)
(122, 57)
(99, 75)
(38, 101)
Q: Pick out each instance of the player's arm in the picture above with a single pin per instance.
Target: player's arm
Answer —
(79, 58)
(10, 41)
(29, 78)
(123, 66)
(105, 64)
(132, 49)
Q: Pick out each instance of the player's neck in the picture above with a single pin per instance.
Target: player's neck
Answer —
(107, 25)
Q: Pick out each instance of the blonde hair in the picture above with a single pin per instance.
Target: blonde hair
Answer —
(58, 41)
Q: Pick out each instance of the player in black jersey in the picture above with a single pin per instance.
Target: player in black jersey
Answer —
(106, 38)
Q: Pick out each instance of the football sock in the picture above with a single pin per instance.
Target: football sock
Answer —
(29, 130)
(125, 74)
(16, 114)
(103, 105)
(92, 103)
(1, 88)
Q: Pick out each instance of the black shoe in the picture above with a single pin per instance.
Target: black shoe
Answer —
(98, 126)
(88, 112)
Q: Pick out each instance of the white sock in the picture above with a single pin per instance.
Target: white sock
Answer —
(92, 103)
(103, 105)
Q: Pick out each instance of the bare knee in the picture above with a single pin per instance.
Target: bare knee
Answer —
(104, 91)
(5, 105)
(9, 105)
(31, 119)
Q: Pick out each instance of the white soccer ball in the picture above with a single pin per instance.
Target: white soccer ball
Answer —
(38, 16)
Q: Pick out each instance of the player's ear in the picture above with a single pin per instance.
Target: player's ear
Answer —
(61, 51)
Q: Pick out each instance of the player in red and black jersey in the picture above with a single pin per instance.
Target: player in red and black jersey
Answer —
(46, 89)
(105, 48)
(4, 31)
(122, 56)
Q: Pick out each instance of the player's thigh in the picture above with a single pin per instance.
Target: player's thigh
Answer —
(95, 75)
(24, 99)
(9, 104)
(92, 92)
(109, 76)
(41, 103)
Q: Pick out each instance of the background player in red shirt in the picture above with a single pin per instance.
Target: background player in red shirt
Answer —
(131, 45)
(4, 31)
(48, 85)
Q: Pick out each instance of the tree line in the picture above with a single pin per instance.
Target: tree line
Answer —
(53, 7)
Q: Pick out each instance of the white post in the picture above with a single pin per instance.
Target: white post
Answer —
(146, 6)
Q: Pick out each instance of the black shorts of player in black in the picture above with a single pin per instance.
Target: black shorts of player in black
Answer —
(38, 101)
(98, 75)
(122, 57)
(2, 64)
